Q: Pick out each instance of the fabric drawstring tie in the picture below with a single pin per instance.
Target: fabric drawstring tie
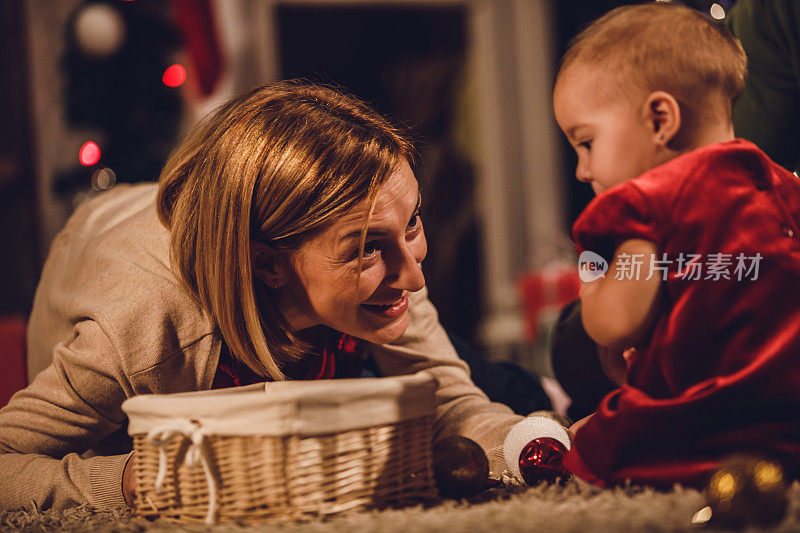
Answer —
(195, 454)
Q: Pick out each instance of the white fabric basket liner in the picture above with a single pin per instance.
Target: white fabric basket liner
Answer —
(302, 408)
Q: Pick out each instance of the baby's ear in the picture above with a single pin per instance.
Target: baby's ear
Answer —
(663, 114)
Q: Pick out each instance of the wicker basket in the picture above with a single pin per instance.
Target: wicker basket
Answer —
(286, 450)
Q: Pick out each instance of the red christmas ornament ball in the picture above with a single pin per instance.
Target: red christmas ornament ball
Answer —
(542, 459)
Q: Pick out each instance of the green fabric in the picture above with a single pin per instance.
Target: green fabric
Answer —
(768, 111)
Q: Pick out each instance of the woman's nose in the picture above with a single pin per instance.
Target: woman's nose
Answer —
(409, 268)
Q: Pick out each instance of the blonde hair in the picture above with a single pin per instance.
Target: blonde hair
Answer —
(274, 165)
(667, 47)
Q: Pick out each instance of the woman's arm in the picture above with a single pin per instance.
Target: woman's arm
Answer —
(70, 406)
(462, 408)
(617, 311)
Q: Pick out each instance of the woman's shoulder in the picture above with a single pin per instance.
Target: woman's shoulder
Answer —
(114, 245)
(111, 265)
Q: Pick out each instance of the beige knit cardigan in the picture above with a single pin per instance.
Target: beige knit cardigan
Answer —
(110, 321)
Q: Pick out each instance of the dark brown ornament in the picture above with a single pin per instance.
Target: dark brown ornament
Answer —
(460, 467)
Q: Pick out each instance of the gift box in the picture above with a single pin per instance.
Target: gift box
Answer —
(544, 292)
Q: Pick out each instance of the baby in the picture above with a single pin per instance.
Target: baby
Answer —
(700, 232)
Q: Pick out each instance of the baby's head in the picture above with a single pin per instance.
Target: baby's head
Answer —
(644, 84)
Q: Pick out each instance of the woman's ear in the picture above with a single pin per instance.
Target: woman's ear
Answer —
(269, 264)
(663, 115)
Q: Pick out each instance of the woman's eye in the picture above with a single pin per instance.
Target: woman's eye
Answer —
(371, 248)
(413, 223)
(586, 144)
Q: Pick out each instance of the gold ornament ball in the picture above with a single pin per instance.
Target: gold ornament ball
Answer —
(747, 490)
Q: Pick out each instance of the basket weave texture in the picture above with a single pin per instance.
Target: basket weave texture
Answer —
(285, 477)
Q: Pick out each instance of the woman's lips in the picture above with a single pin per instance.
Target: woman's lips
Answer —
(393, 310)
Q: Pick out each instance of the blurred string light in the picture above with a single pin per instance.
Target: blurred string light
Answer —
(89, 154)
(174, 76)
(99, 30)
(115, 55)
(103, 178)
(717, 11)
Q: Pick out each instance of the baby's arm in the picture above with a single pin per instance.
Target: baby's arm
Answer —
(617, 312)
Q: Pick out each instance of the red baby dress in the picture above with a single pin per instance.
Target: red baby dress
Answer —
(720, 372)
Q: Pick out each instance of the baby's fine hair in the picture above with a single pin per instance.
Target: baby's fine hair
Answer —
(663, 46)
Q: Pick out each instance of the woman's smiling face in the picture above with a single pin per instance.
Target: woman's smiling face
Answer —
(323, 285)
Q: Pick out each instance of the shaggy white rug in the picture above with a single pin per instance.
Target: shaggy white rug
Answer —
(502, 510)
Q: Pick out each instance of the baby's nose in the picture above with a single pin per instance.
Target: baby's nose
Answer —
(583, 174)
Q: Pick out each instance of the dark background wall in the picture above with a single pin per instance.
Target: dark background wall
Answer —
(19, 259)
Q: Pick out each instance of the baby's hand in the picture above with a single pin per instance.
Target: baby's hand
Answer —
(614, 363)
(628, 355)
(578, 425)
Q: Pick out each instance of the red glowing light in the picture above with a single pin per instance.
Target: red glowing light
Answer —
(89, 154)
(174, 76)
